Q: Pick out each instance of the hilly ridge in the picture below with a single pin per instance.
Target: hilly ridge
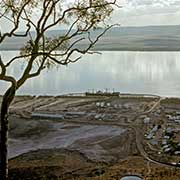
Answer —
(148, 38)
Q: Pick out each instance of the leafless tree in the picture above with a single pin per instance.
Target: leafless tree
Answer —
(79, 17)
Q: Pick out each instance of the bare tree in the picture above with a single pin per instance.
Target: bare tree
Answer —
(41, 51)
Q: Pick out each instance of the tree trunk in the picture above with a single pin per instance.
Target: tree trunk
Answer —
(7, 99)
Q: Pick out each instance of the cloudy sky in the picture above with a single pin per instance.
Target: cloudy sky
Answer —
(139, 13)
(148, 12)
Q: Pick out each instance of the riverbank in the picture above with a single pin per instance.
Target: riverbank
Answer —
(90, 137)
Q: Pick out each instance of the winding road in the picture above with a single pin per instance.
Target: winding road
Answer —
(139, 139)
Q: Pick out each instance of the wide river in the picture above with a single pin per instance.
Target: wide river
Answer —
(129, 72)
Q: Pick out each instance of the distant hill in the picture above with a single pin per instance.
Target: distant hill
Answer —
(149, 38)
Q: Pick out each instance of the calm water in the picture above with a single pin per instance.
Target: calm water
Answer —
(132, 72)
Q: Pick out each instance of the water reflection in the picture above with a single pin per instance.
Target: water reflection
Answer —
(134, 72)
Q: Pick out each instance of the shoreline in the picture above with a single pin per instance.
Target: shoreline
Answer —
(121, 50)
(83, 95)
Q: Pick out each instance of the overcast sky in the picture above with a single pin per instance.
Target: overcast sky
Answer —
(140, 13)
(148, 12)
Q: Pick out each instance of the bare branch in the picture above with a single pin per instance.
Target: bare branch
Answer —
(6, 17)
(26, 32)
(77, 9)
(89, 37)
(70, 47)
(28, 19)
(3, 68)
(66, 36)
(3, 75)
(49, 13)
(64, 61)
(45, 6)
(41, 67)
(16, 24)
(17, 57)
(92, 42)
(10, 79)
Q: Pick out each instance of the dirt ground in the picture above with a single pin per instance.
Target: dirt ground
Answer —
(95, 139)
(72, 165)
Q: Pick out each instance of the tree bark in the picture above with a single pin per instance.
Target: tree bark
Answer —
(7, 99)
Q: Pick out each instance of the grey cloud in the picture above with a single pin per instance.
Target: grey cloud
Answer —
(176, 3)
(151, 6)
(153, 2)
(146, 20)
(140, 2)
(148, 12)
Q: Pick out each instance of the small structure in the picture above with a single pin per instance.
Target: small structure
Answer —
(155, 128)
(177, 112)
(64, 115)
(165, 146)
(166, 137)
(150, 136)
(177, 120)
(169, 130)
(146, 120)
(47, 116)
(154, 142)
(167, 150)
(102, 104)
(99, 116)
(100, 93)
(115, 106)
(177, 152)
(108, 104)
(164, 142)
